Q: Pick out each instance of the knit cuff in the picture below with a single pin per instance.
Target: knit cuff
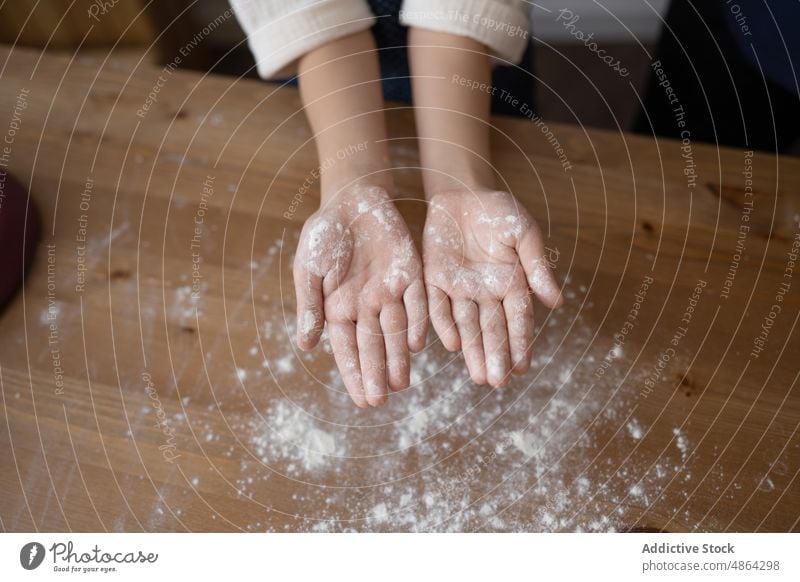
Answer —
(501, 26)
(277, 40)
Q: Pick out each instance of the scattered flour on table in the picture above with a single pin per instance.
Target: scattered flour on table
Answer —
(766, 484)
(185, 303)
(288, 433)
(681, 442)
(635, 430)
(446, 455)
(443, 455)
(285, 365)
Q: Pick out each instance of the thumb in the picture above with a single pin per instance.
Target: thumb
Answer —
(310, 310)
(541, 279)
(325, 249)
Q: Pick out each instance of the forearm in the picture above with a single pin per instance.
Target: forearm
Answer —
(341, 92)
(452, 118)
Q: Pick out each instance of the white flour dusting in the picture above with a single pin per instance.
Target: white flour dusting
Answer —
(290, 434)
(525, 443)
(308, 324)
(681, 442)
(285, 365)
(635, 430)
(185, 303)
(443, 455)
(446, 455)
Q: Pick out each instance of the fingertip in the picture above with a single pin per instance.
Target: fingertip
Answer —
(478, 377)
(497, 378)
(358, 398)
(451, 340)
(416, 344)
(557, 297)
(539, 274)
(550, 293)
(502, 383)
(343, 342)
(372, 357)
(376, 394)
(378, 402)
(356, 390)
(441, 318)
(494, 330)
(480, 380)
(416, 306)
(521, 367)
(400, 386)
(399, 376)
(452, 343)
(310, 322)
(416, 338)
(547, 292)
(307, 343)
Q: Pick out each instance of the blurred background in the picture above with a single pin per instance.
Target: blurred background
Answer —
(705, 51)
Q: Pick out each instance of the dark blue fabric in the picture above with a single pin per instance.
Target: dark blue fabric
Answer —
(779, 63)
(725, 96)
(391, 38)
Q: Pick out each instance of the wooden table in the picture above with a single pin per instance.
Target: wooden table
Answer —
(148, 381)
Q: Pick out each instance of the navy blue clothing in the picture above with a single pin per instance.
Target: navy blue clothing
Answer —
(771, 44)
(391, 38)
(709, 59)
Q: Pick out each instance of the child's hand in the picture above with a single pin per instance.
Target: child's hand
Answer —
(357, 268)
(483, 255)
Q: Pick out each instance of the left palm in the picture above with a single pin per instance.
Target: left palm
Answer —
(483, 255)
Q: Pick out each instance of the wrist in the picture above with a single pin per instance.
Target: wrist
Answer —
(454, 174)
(354, 164)
(340, 184)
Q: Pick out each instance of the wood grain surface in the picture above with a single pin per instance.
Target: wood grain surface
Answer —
(149, 381)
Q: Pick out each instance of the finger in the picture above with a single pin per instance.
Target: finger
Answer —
(465, 313)
(373, 359)
(537, 271)
(519, 316)
(495, 342)
(393, 325)
(310, 311)
(417, 315)
(344, 346)
(442, 319)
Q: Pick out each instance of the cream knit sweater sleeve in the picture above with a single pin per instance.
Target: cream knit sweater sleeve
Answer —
(281, 31)
(502, 25)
